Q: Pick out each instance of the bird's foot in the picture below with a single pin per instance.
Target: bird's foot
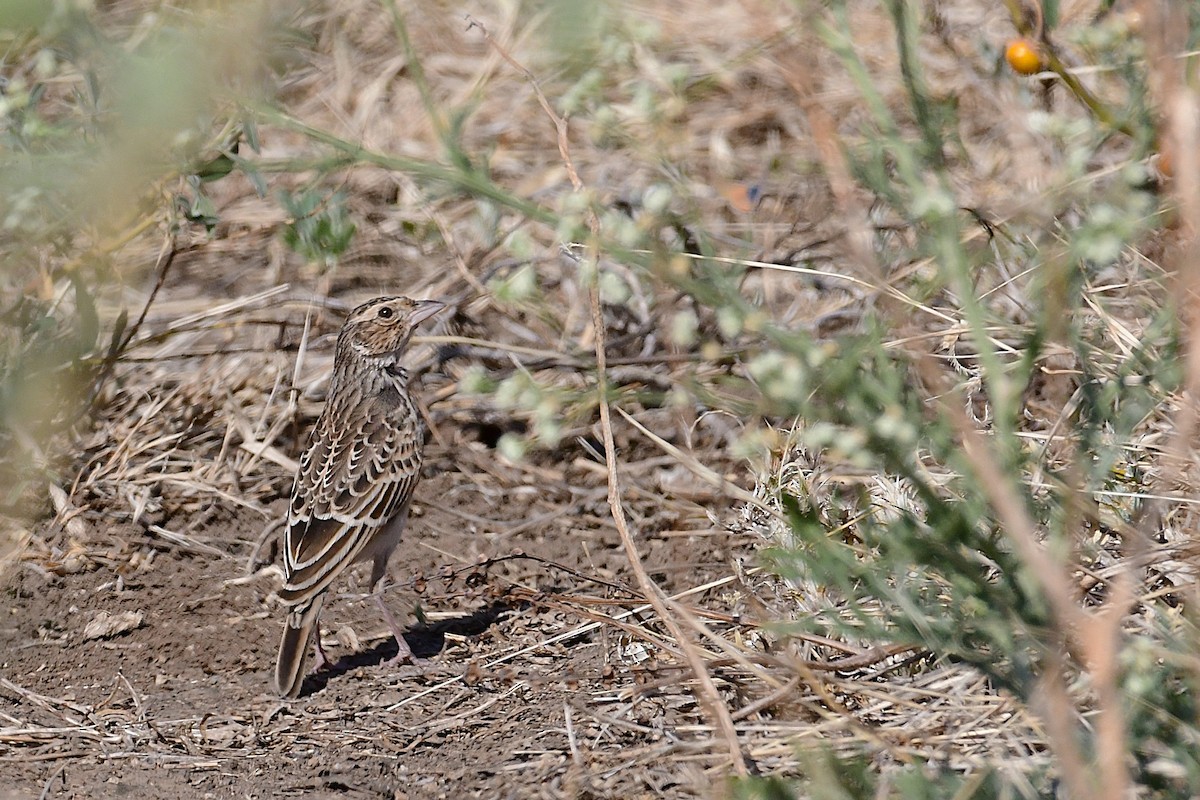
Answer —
(404, 655)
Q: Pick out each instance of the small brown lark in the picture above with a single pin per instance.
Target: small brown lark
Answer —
(356, 478)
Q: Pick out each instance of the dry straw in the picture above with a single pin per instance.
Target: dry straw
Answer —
(225, 366)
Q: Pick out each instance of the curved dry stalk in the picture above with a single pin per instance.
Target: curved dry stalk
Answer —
(708, 690)
(708, 695)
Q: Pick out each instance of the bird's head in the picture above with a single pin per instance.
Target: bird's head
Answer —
(382, 327)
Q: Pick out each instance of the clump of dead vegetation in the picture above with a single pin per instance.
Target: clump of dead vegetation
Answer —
(829, 277)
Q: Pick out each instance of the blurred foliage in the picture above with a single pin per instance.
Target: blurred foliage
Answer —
(98, 114)
(319, 227)
(1160, 689)
(943, 573)
(829, 777)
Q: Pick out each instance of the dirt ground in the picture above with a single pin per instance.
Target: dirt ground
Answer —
(140, 629)
(520, 697)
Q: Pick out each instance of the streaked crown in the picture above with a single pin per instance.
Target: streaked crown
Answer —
(383, 326)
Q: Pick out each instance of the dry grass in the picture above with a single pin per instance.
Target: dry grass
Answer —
(209, 402)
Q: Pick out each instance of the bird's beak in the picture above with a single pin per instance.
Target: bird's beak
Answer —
(424, 310)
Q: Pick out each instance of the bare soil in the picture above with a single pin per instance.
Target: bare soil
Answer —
(510, 702)
(511, 576)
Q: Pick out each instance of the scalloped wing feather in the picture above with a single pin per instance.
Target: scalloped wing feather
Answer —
(351, 483)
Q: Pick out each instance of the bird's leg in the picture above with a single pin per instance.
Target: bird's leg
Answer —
(403, 651)
(322, 658)
(379, 581)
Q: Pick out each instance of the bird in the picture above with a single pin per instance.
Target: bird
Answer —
(355, 480)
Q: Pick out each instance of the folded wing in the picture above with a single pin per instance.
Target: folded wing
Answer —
(351, 483)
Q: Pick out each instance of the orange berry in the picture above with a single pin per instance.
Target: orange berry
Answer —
(1023, 56)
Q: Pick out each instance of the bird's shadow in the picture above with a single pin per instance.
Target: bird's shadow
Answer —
(425, 641)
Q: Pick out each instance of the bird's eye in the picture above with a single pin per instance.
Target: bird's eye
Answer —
(386, 312)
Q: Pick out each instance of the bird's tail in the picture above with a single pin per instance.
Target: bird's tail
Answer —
(297, 631)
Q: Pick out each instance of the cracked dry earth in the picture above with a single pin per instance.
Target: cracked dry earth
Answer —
(137, 665)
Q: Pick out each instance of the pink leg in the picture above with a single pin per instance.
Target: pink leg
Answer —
(379, 581)
(403, 652)
(322, 661)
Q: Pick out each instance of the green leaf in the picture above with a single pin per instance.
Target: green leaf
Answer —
(250, 131)
(89, 322)
(215, 169)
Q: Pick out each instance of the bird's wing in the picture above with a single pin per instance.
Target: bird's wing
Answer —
(353, 479)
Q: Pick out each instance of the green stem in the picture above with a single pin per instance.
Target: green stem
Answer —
(471, 182)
